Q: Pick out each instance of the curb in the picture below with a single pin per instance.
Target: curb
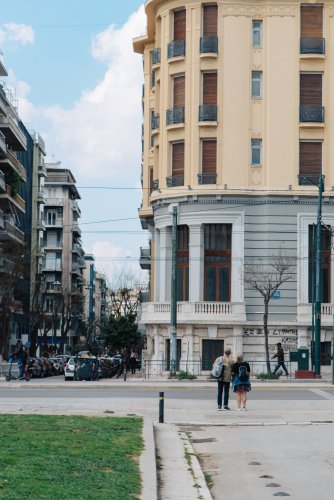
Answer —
(148, 466)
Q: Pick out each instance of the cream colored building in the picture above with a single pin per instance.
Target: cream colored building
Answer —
(238, 119)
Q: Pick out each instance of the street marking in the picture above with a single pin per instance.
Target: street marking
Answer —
(323, 394)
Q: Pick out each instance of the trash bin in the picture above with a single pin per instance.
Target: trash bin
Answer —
(303, 358)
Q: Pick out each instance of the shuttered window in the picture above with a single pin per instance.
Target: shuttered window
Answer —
(310, 89)
(217, 262)
(209, 156)
(311, 21)
(310, 158)
(178, 91)
(178, 158)
(209, 88)
(210, 18)
(182, 264)
(180, 24)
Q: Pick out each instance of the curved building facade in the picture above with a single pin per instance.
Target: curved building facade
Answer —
(237, 120)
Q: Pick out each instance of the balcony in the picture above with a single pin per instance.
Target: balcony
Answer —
(308, 179)
(41, 197)
(145, 258)
(3, 147)
(52, 265)
(42, 171)
(177, 48)
(2, 182)
(76, 268)
(40, 224)
(304, 314)
(174, 116)
(312, 45)
(40, 251)
(81, 263)
(11, 162)
(208, 45)
(207, 113)
(10, 230)
(14, 135)
(207, 179)
(76, 208)
(77, 249)
(76, 229)
(175, 180)
(313, 114)
(156, 55)
(202, 312)
(155, 122)
(13, 198)
(54, 202)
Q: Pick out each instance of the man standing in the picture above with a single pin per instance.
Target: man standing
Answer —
(224, 381)
(280, 359)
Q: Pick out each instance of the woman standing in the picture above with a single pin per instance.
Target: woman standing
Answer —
(240, 381)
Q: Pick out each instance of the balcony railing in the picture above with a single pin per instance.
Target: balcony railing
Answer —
(76, 229)
(208, 44)
(145, 258)
(77, 249)
(312, 45)
(208, 113)
(156, 54)
(177, 48)
(11, 228)
(175, 180)
(3, 147)
(13, 132)
(308, 179)
(315, 114)
(207, 178)
(155, 122)
(42, 170)
(11, 160)
(52, 265)
(41, 197)
(174, 116)
(2, 181)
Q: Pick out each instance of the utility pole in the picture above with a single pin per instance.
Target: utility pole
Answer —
(318, 281)
(173, 302)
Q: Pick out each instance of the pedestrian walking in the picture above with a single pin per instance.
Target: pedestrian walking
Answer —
(25, 356)
(280, 359)
(18, 356)
(133, 362)
(224, 380)
(240, 381)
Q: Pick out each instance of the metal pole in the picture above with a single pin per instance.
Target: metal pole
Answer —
(312, 294)
(318, 282)
(161, 407)
(173, 319)
(333, 346)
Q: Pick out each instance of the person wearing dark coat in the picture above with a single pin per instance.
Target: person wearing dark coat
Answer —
(280, 359)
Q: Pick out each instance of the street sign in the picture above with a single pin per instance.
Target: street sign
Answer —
(276, 295)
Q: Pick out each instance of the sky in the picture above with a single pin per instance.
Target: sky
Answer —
(78, 83)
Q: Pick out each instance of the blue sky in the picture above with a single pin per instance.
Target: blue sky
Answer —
(78, 83)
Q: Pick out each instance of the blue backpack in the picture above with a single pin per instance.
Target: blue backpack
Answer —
(243, 375)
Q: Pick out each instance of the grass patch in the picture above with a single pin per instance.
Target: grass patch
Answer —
(182, 375)
(267, 376)
(74, 457)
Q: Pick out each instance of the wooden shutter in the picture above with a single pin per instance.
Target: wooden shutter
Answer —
(209, 156)
(310, 158)
(179, 91)
(180, 24)
(311, 89)
(210, 17)
(311, 21)
(209, 88)
(178, 158)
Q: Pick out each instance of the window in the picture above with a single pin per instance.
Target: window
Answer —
(217, 262)
(256, 84)
(179, 85)
(256, 152)
(51, 217)
(210, 20)
(310, 162)
(257, 33)
(49, 305)
(325, 264)
(209, 88)
(179, 24)
(182, 264)
(178, 161)
(209, 161)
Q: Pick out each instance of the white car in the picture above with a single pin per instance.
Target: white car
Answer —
(69, 369)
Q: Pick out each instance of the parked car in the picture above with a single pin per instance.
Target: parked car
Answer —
(70, 368)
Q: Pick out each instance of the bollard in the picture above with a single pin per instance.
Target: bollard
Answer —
(161, 407)
(124, 374)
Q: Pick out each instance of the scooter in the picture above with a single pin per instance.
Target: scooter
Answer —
(10, 376)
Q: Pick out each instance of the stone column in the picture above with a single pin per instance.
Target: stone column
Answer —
(196, 263)
(156, 264)
(302, 337)
(165, 264)
(237, 341)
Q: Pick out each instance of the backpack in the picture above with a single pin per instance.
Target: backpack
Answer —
(243, 376)
(218, 368)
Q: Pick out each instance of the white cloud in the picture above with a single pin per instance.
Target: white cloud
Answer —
(99, 137)
(20, 34)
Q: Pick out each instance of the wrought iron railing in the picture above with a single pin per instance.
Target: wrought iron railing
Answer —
(308, 179)
(177, 48)
(156, 54)
(312, 45)
(207, 113)
(312, 114)
(155, 185)
(155, 121)
(208, 44)
(207, 178)
(174, 115)
(175, 180)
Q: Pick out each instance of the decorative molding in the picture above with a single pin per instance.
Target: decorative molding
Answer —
(254, 11)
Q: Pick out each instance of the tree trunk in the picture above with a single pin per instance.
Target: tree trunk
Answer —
(265, 329)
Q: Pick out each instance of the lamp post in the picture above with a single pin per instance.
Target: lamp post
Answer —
(173, 310)
(57, 285)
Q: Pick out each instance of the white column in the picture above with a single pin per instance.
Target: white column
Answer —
(196, 263)
(237, 341)
(302, 337)
(156, 265)
(165, 264)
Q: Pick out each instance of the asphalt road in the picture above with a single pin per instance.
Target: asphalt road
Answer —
(180, 393)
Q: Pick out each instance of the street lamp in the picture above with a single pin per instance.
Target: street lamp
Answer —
(56, 285)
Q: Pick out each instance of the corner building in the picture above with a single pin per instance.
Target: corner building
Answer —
(237, 121)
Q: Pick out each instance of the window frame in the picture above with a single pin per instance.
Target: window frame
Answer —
(254, 149)
(257, 81)
(255, 31)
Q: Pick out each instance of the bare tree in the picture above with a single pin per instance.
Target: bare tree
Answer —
(265, 279)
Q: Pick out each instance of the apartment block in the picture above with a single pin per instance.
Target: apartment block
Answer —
(237, 120)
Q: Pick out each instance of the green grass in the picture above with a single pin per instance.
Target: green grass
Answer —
(69, 457)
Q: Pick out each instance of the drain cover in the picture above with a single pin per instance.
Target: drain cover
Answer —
(281, 494)
(207, 440)
(265, 476)
(254, 463)
(273, 485)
